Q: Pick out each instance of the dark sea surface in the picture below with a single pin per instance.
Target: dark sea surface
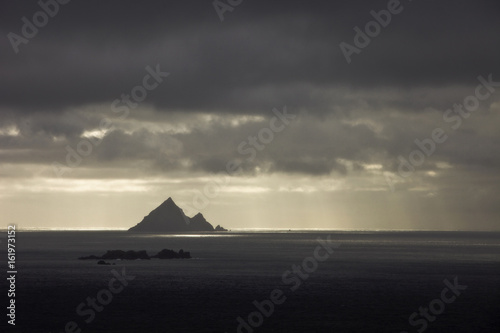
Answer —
(372, 282)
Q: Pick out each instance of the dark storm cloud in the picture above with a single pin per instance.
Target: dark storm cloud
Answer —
(308, 146)
(263, 54)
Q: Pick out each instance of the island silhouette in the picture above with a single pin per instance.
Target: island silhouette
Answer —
(135, 255)
(168, 217)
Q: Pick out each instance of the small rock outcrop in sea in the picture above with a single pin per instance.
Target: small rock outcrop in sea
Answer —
(219, 228)
(169, 254)
(168, 217)
(91, 257)
(136, 255)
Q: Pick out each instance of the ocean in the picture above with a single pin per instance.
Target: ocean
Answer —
(258, 281)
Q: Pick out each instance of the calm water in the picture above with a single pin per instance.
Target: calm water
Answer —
(372, 282)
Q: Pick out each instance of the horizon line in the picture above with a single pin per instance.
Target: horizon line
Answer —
(253, 229)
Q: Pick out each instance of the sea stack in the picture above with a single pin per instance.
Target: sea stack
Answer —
(168, 217)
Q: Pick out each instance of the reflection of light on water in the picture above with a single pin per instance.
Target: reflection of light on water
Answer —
(188, 235)
(69, 229)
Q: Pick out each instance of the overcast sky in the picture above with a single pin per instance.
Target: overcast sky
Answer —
(260, 114)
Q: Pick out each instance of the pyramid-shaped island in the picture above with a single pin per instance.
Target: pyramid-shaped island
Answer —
(168, 217)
